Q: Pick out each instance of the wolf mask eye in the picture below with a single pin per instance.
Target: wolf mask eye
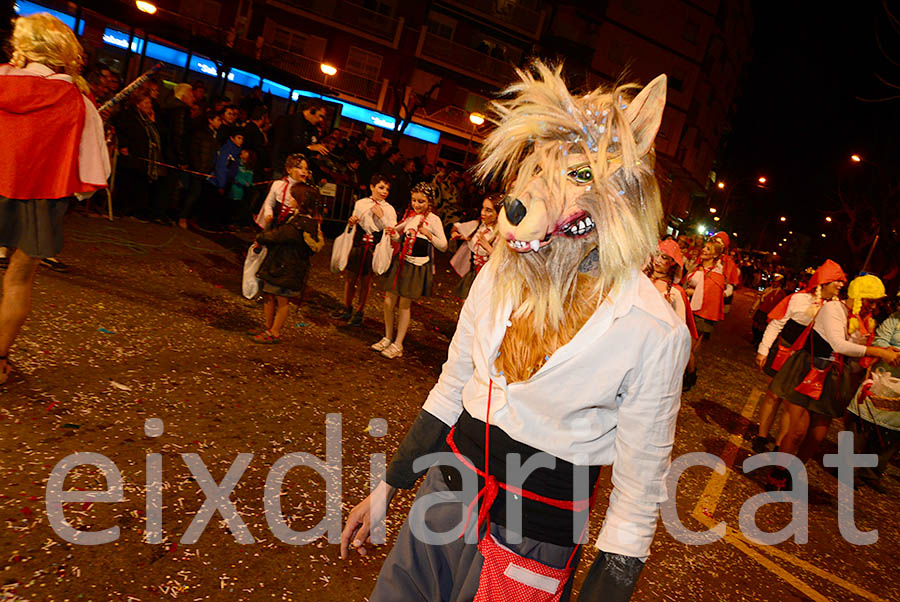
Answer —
(581, 174)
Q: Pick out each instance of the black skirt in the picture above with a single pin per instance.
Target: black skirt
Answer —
(410, 281)
(837, 390)
(34, 226)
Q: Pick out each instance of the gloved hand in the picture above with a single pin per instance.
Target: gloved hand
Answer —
(612, 578)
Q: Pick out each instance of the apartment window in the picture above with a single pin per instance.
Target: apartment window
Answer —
(690, 32)
(631, 6)
(617, 54)
(441, 25)
(363, 62)
(202, 10)
(298, 43)
(384, 7)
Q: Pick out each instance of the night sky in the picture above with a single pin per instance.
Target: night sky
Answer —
(799, 119)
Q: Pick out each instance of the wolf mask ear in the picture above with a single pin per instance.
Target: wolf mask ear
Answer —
(645, 114)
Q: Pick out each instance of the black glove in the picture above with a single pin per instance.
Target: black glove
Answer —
(425, 436)
(612, 578)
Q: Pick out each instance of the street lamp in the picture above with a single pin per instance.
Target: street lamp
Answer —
(762, 179)
(475, 119)
(721, 185)
(328, 69)
(828, 218)
(146, 7)
(855, 158)
(783, 218)
(712, 209)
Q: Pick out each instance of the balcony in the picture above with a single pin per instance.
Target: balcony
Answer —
(310, 69)
(463, 59)
(454, 120)
(513, 15)
(350, 17)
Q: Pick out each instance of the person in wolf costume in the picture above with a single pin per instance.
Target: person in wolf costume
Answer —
(565, 357)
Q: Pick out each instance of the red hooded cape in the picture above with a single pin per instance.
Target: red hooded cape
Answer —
(827, 272)
(41, 120)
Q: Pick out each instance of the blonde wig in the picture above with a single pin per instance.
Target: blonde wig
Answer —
(583, 165)
(42, 38)
(863, 287)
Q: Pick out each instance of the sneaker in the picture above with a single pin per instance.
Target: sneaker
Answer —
(343, 313)
(54, 264)
(356, 319)
(393, 351)
(381, 345)
(761, 445)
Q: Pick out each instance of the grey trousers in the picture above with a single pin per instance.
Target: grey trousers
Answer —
(416, 571)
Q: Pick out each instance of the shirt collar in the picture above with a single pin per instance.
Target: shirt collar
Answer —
(45, 71)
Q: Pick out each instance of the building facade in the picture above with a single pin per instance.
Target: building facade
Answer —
(449, 57)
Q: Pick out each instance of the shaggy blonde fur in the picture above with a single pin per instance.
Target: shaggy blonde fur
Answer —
(540, 125)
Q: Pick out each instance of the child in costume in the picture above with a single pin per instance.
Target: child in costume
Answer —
(275, 209)
(285, 269)
(479, 236)
(371, 215)
(53, 150)
(411, 274)
(524, 372)
(787, 322)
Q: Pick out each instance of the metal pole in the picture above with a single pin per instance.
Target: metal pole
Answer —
(869, 256)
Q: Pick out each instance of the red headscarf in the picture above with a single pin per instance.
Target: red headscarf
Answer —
(671, 248)
(827, 272)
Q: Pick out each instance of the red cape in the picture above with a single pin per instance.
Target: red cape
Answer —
(41, 120)
(688, 314)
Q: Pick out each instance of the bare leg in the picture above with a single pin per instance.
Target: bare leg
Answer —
(16, 302)
(390, 301)
(818, 430)
(767, 413)
(799, 424)
(364, 292)
(281, 315)
(784, 426)
(349, 290)
(269, 309)
(403, 320)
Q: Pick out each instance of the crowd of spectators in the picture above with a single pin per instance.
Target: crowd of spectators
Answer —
(188, 159)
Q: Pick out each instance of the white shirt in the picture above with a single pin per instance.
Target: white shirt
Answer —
(93, 156)
(368, 221)
(800, 309)
(609, 396)
(831, 323)
(433, 223)
(278, 192)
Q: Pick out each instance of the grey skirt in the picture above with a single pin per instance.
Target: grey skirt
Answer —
(464, 285)
(410, 281)
(34, 226)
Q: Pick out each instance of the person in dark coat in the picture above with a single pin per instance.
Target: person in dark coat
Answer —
(285, 269)
(298, 133)
(202, 157)
(175, 127)
(141, 148)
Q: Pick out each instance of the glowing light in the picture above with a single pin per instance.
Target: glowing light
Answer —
(716, 218)
(734, 234)
(828, 219)
(327, 69)
(762, 179)
(712, 210)
(476, 118)
(784, 219)
(721, 185)
(701, 228)
(855, 158)
(146, 7)
(823, 235)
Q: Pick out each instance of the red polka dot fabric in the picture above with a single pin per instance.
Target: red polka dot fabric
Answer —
(508, 577)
